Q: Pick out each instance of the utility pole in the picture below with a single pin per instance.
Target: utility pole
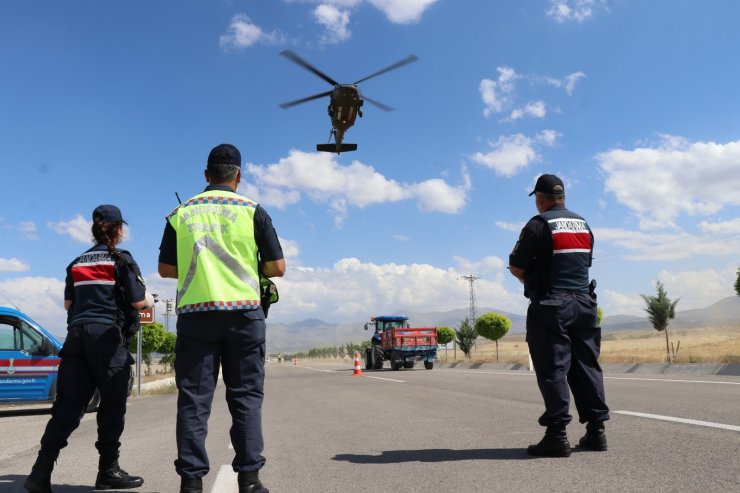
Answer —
(167, 314)
(471, 279)
(471, 318)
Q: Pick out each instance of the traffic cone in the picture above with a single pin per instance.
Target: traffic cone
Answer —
(358, 369)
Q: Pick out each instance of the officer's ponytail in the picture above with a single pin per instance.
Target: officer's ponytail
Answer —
(108, 233)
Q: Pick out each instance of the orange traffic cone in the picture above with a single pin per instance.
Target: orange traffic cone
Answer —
(358, 370)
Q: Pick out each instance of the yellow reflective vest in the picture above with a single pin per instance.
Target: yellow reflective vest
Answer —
(217, 261)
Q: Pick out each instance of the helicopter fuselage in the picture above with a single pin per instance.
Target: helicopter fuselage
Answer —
(344, 106)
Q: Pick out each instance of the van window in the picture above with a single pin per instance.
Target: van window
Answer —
(8, 334)
(16, 335)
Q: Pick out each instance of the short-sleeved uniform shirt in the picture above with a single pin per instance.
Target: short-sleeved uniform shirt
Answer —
(91, 286)
(535, 244)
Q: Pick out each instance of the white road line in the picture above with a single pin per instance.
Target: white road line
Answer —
(517, 373)
(386, 379)
(670, 380)
(226, 481)
(681, 420)
(521, 373)
(318, 369)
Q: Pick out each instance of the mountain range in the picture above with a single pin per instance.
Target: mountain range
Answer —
(310, 333)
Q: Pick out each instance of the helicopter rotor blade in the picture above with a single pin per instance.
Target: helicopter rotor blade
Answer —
(303, 63)
(303, 100)
(399, 64)
(380, 105)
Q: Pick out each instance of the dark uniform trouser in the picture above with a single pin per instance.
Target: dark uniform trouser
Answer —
(93, 356)
(564, 341)
(236, 343)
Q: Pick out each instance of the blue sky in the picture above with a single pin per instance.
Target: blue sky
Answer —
(633, 103)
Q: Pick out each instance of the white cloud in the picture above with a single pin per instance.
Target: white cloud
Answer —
(721, 227)
(513, 153)
(568, 82)
(320, 178)
(672, 178)
(638, 245)
(698, 289)
(514, 227)
(78, 228)
(335, 21)
(496, 94)
(42, 298)
(243, 33)
(616, 303)
(291, 250)
(350, 286)
(28, 230)
(13, 265)
(402, 11)
(534, 109)
(574, 10)
(400, 237)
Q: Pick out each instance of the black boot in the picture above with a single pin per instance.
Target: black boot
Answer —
(553, 444)
(191, 485)
(112, 477)
(39, 481)
(249, 482)
(595, 437)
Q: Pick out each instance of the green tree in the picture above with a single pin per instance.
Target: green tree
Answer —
(466, 336)
(445, 335)
(661, 310)
(167, 349)
(737, 282)
(493, 326)
(599, 315)
(152, 336)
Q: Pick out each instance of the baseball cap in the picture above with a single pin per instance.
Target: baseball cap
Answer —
(549, 184)
(225, 154)
(108, 213)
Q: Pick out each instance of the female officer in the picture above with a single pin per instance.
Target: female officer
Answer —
(101, 284)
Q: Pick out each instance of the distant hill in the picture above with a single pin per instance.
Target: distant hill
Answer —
(310, 333)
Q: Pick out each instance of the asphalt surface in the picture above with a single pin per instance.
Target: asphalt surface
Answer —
(448, 429)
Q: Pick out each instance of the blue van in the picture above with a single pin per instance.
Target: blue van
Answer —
(29, 361)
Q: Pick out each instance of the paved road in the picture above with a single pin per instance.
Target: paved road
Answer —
(417, 430)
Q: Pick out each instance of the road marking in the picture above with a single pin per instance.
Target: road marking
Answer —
(531, 373)
(226, 481)
(517, 373)
(318, 369)
(670, 380)
(681, 420)
(387, 379)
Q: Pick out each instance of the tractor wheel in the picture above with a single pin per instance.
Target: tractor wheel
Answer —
(368, 363)
(408, 364)
(429, 365)
(395, 366)
(378, 358)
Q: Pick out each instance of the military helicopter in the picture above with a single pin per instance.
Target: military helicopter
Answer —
(345, 101)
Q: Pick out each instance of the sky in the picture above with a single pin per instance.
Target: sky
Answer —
(634, 104)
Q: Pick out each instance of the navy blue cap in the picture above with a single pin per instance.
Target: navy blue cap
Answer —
(108, 213)
(225, 154)
(549, 184)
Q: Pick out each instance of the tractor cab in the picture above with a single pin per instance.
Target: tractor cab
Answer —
(385, 322)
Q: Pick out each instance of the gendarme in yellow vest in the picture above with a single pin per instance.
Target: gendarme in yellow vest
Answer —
(216, 253)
